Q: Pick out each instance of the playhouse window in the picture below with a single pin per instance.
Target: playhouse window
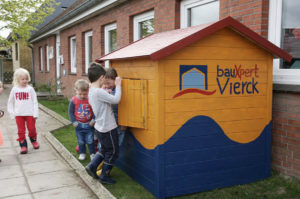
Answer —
(284, 31)
(132, 111)
(88, 38)
(73, 54)
(47, 59)
(196, 12)
(41, 59)
(143, 25)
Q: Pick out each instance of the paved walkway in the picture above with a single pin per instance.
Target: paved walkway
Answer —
(40, 173)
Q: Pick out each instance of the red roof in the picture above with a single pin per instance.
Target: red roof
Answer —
(160, 45)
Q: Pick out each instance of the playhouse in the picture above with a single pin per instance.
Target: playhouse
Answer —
(198, 102)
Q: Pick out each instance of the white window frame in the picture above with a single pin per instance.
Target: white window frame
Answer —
(73, 55)
(41, 59)
(47, 59)
(107, 39)
(187, 4)
(280, 76)
(140, 18)
(87, 47)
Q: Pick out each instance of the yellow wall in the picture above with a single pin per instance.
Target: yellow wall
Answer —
(147, 70)
(242, 117)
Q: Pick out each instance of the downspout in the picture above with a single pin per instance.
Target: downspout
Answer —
(32, 65)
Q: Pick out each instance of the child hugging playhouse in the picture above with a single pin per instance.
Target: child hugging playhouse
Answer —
(23, 106)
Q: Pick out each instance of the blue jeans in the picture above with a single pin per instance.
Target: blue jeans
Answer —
(85, 135)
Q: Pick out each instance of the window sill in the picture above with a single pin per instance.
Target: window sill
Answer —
(286, 88)
(73, 74)
(84, 74)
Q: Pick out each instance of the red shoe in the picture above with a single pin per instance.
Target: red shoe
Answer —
(35, 145)
(23, 150)
(77, 148)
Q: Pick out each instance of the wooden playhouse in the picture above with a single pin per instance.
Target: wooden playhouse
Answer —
(199, 102)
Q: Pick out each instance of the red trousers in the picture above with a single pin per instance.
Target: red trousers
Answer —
(30, 122)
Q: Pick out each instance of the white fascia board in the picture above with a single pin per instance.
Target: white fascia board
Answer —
(77, 18)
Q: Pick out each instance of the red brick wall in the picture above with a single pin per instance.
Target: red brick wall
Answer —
(166, 18)
(43, 77)
(286, 133)
(252, 13)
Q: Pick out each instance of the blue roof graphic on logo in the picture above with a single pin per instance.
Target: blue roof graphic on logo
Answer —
(193, 76)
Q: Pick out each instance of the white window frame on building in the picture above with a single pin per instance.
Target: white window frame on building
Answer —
(88, 50)
(47, 59)
(280, 76)
(137, 23)
(187, 5)
(73, 54)
(107, 37)
(41, 59)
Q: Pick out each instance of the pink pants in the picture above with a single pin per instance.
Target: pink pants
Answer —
(30, 122)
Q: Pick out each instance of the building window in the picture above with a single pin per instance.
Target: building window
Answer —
(284, 31)
(88, 38)
(17, 51)
(47, 59)
(73, 54)
(41, 59)
(143, 25)
(110, 38)
(196, 12)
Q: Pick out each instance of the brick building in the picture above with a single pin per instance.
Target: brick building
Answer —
(87, 30)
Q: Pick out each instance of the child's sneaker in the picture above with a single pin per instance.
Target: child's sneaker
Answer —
(23, 150)
(92, 156)
(35, 145)
(81, 156)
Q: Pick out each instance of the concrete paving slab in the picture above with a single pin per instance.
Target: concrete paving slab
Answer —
(8, 160)
(23, 196)
(46, 181)
(44, 167)
(7, 151)
(13, 186)
(32, 157)
(74, 192)
(7, 172)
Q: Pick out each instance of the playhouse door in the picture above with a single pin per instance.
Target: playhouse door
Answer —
(132, 109)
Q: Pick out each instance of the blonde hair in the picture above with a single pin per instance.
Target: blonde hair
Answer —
(17, 75)
(82, 85)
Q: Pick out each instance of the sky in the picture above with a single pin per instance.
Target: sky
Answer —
(4, 33)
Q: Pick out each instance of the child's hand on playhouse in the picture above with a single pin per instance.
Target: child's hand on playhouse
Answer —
(118, 81)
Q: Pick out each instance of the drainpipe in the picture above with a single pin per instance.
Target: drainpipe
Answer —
(32, 63)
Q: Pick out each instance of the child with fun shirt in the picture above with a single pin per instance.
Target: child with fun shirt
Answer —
(105, 124)
(23, 107)
(81, 116)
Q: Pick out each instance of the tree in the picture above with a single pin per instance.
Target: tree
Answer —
(22, 16)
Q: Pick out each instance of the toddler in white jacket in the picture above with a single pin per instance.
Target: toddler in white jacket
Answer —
(23, 107)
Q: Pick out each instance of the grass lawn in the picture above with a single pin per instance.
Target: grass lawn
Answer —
(275, 187)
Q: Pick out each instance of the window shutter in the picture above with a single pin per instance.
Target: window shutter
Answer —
(132, 110)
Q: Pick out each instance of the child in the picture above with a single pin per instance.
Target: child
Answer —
(105, 126)
(81, 115)
(23, 106)
(109, 85)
